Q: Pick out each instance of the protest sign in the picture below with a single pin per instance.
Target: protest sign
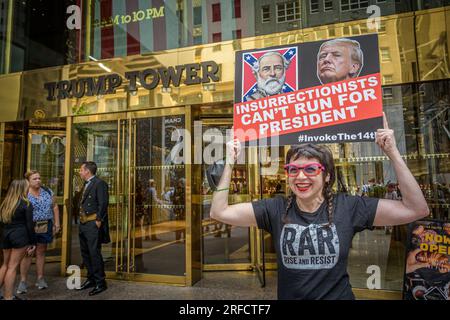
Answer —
(319, 92)
(427, 270)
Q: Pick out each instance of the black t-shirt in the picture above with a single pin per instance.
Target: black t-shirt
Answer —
(312, 258)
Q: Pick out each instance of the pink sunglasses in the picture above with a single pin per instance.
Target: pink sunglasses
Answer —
(310, 170)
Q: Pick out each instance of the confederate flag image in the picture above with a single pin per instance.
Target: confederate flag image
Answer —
(250, 61)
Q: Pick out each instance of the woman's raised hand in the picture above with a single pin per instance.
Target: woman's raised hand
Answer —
(233, 151)
(385, 139)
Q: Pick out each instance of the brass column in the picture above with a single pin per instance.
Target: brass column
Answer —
(67, 208)
(8, 41)
(88, 30)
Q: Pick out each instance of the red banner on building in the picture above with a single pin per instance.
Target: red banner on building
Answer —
(284, 98)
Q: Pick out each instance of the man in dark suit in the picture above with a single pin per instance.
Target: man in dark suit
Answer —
(94, 228)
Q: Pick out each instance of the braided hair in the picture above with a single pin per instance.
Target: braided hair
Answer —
(290, 200)
(325, 157)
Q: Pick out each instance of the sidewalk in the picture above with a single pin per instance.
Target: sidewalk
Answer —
(214, 286)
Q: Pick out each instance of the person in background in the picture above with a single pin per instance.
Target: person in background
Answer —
(94, 227)
(391, 192)
(376, 190)
(46, 219)
(153, 203)
(365, 190)
(167, 196)
(278, 189)
(179, 197)
(17, 237)
(399, 192)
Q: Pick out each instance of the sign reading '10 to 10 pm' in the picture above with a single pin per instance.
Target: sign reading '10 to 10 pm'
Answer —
(135, 16)
(318, 92)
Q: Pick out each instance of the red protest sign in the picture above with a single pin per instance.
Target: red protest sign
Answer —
(344, 105)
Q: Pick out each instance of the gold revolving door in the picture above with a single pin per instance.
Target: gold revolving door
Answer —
(141, 157)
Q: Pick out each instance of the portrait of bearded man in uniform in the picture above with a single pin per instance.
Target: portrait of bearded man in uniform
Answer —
(270, 74)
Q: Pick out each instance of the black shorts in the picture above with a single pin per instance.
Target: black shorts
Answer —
(14, 238)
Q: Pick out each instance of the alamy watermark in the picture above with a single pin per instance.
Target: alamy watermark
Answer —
(374, 280)
(210, 146)
(74, 279)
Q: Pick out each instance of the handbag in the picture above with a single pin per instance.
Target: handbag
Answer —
(41, 227)
(214, 173)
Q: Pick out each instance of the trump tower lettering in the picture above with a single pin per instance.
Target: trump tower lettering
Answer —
(319, 92)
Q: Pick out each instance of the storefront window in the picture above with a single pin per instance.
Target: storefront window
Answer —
(46, 155)
(429, 4)
(419, 116)
(3, 31)
(434, 126)
(12, 148)
(31, 45)
(223, 243)
(432, 45)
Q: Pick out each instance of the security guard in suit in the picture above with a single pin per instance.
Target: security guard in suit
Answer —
(94, 229)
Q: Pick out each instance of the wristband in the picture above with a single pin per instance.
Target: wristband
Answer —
(224, 189)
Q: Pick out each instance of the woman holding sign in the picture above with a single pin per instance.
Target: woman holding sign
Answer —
(313, 228)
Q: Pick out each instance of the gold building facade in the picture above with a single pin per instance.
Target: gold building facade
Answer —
(130, 134)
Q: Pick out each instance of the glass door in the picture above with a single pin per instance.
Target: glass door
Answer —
(141, 157)
(225, 247)
(272, 183)
(101, 139)
(46, 154)
(157, 189)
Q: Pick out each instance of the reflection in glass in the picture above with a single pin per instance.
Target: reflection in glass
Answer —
(97, 142)
(434, 126)
(142, 162)
(273, 182)
(159, 225)
(419, 115)
(47, 155)
(222, 243)
(125, 28)
(39, 34)
(432, 48)
(12, 155)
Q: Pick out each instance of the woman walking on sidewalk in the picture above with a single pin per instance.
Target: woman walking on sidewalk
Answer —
(46, 218)
(17, 236)
(312, 229)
